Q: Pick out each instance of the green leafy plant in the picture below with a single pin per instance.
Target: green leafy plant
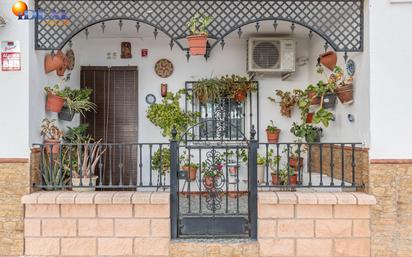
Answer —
(161, 160)
(88, 155)
(198, 24)
(168, 115)
(57, 89)
(271, 128)
(287, 102)
(78, 100)
(186, 161)
(307, 131)
(49, 130)
(237, 87)
(208, 90)
(285, 173)
(77, 135)
(323, 116)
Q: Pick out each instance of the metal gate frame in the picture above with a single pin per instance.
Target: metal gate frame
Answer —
(252, 193)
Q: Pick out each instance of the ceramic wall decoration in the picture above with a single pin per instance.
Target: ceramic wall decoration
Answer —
(350, 67)
(71, 59)
(329, 60)
(164, 68)
(163, 89)
(126, 50)
(150, 99)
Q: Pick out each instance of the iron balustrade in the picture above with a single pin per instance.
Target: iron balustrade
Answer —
(147, 165)
(103, 166)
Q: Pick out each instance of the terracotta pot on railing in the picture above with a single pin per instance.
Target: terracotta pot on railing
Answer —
(273, 137)
(190, 172)
(197, 44)
(54, 103)
(329, 60)
(345, 93)
(52, 146)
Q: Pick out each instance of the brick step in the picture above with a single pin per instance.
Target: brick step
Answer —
(214, 248)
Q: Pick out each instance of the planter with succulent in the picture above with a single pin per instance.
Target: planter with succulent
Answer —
(88, 155)
(51, 135)
(272, 133)
(237, 87)
(55, 98)
(77, 101)
(52, 174)
(168, 115)
(188, 166)
(343, 85)
(208, 90)
(307, 131)
(287, 102)
(197, 40)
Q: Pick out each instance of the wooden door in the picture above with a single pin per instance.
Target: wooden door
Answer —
(115, 92)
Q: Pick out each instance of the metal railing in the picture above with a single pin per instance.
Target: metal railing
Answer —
(130, 166)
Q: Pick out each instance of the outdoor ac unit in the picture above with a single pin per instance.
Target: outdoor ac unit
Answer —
(271, 55)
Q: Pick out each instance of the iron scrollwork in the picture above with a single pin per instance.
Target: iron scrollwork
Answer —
(213, 179)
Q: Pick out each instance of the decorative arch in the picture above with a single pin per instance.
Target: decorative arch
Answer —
(339, 22)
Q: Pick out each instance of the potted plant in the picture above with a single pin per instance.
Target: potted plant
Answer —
(237, 87)
(197, 26)
(52, 174)
(288, 176)
(168, 115)
(328, 59)
(323, 116)
(307, 131)
(55, 98)
(189, 167)
(287, 102)
(212, 171)
(77, 101)
(272, 133)
(208, 90)
(261, 164)
(51, 136)
(161, 161)
(88, 155)
(77, 135)
(345, 92)
(234, 160)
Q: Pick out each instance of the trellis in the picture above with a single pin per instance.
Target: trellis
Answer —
(338, 22)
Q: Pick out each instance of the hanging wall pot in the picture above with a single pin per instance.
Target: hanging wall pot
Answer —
(66, 114)
(197, 44)
(345, 93)
(163, 89)
(309, 117)
(53, 62)
(329, 100)
(54, 103)
(62, 69)
(329, 60)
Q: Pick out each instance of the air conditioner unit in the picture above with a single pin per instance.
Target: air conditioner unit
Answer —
(271, 55)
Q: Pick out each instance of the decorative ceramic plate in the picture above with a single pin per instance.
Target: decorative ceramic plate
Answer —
(164, 68)
(150, 99)
(70, 56)
(350, 67)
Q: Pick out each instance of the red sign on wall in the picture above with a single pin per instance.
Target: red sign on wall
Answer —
(10, 62)
(145, 52)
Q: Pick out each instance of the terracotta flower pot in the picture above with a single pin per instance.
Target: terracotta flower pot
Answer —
(197, 44)
(345, 93)
(293, 162)
(315, 100)
(293, 180)
(54, 103)
(309, 117)
(190, 172)
(275, 179)
(62, 69)
(240, 96)
(52, 146)
(273, 137)
(329, 60)
(52, 63)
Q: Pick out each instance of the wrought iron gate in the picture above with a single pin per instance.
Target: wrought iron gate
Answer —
(213, 187)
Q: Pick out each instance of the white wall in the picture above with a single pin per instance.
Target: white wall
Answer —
(14, 90)
(390, 85)
(232, 60)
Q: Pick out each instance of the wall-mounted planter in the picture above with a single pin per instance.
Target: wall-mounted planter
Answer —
(345, 93)
(53, 62)
(329, 60)
(197, 44)
(54, 103)
(329, 100)
(315, 100)
(273, 137)
(190, 173)
(319, 134)
(66, 114)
